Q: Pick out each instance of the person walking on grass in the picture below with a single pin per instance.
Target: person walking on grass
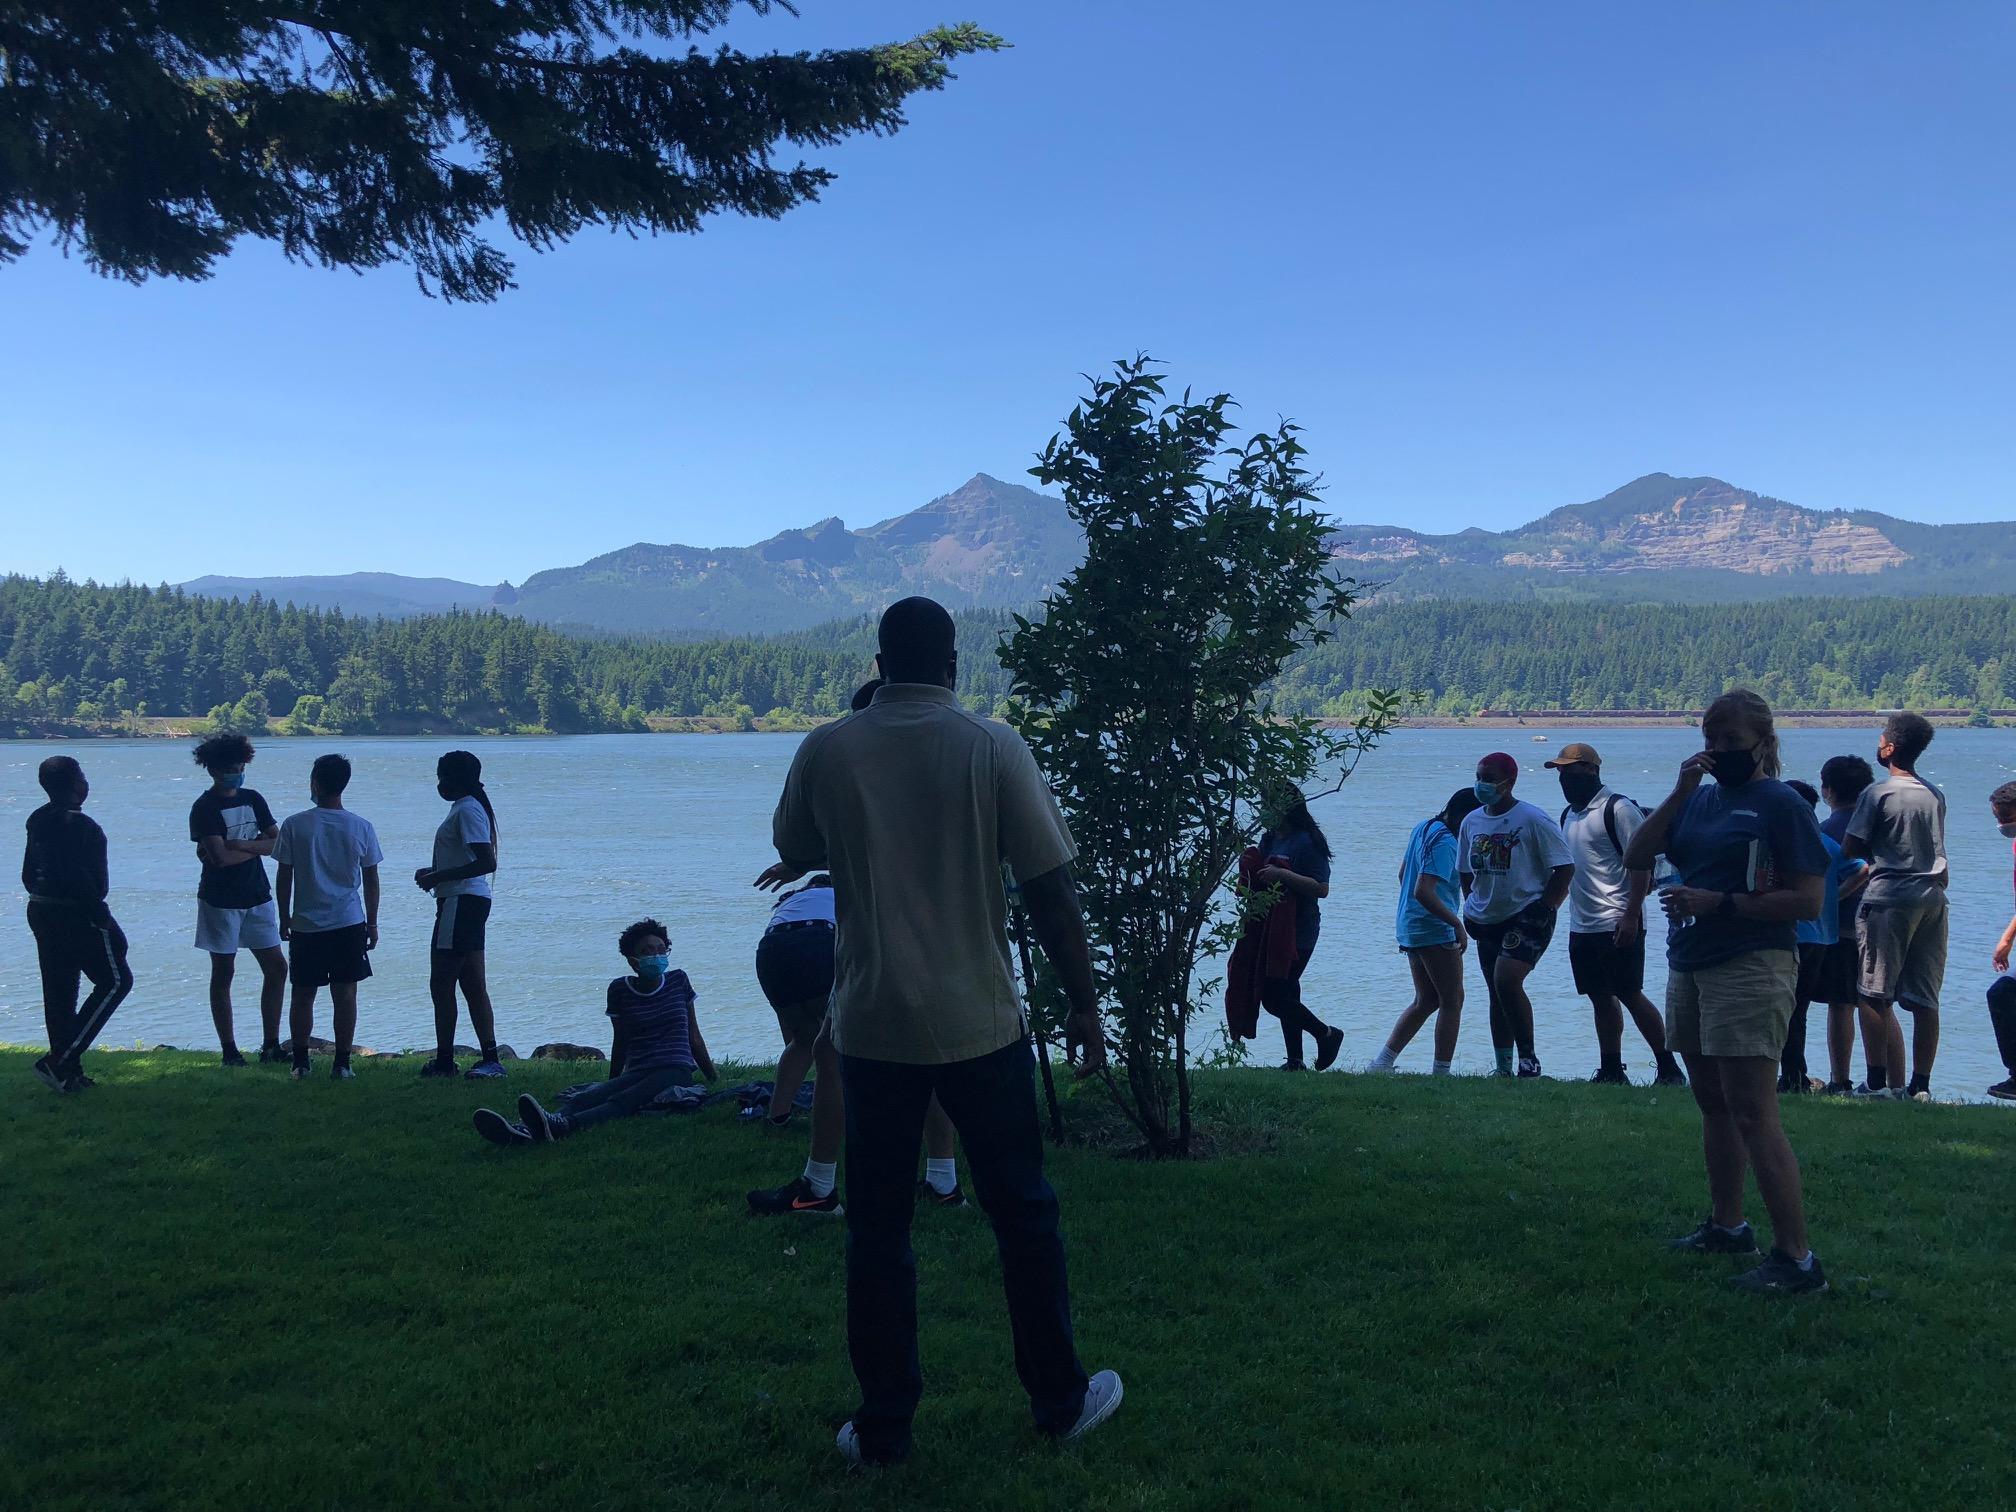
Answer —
(1516, 871)
(1843, 779)
(1606, 930)
(1826, 962)
(326, 863)
(2002, 995)
(64, 874)
(913, 806)
(794, 967)
(233, 830)
(1899, 828)
(1428, 926)
(465, 857)
(655, 1045)
(1751, 865)
(1293, 839)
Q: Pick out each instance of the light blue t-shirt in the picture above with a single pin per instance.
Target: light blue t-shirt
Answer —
(1431, 851)
(1826, 930)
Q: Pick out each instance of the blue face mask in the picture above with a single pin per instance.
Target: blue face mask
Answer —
(231, 779)
(1487, 792)
(652, 967)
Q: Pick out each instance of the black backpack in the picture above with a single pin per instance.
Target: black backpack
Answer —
(1610, 819)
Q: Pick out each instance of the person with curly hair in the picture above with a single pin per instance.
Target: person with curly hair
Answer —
(234, 831)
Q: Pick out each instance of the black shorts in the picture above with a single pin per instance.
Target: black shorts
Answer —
(1828, 973)
(1603, 970)
(316, 958)
(1523, 937)
(459, 922)
(794, 967)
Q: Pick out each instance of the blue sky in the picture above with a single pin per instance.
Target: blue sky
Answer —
(1495, 258)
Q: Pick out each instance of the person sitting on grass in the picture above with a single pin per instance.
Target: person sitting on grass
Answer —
(655, 1046)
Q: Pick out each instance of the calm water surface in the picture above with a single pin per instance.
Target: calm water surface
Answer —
(598, 830)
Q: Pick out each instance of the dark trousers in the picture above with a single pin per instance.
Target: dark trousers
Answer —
(2002, 1014)
(1282, 997)
(72, 944)
(631, 1092)
(1792, 1059)
(991, 1101)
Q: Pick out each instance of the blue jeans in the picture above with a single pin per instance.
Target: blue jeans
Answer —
(632, 1092)
(991, 1101)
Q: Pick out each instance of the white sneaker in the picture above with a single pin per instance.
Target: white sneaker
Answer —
(1102, 1399)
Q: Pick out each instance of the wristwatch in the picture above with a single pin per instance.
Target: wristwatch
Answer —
(1726, 906)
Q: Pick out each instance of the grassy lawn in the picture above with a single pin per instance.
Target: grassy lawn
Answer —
(226, 1290)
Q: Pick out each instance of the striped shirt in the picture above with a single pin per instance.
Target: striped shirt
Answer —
(652, 1027)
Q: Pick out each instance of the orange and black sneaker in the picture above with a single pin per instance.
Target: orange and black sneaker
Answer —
(930, 1196)
(796, 1197)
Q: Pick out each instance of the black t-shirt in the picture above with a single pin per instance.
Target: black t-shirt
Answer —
(240, 815)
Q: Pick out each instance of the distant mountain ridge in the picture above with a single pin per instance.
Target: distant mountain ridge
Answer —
(992, 544)
(1665, 539)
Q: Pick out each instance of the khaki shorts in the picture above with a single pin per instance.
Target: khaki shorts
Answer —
(1740, 1007)
(1903, 950)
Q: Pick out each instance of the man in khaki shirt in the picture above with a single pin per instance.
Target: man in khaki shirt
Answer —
(914, 806)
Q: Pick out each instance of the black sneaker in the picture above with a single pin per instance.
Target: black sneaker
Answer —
(1528, 1067)
(2006, 1090)
(1847, 1089)
(47, 1074)
(796, 1197)
(546, 1127)
(77, 1081)
(1671, 1076)
(233, 1058)
(1782, 1276)
(488, 1070)
(930, 1196)
(302, 1070)
(1328, 1043)
(1712, 1239)
(440, 1068)
(1610, 1076)
(499, 1130)
(273, 1055)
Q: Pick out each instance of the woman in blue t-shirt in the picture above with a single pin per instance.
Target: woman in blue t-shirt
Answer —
(1751, 866)
(1428, 926)
(1294, 836)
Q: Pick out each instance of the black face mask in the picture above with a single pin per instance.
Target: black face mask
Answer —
(1734, 768)
(1579, 787)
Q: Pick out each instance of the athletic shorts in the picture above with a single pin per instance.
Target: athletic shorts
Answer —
(1903, 950)
(1740, 1007)
(1827, 973)
(1523, 937)
(226, 931)
(1602, 968)
(459, 921)
(322, 956)
(1427, 950)
(794, 967)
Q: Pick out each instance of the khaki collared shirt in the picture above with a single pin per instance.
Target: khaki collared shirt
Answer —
(913, 805)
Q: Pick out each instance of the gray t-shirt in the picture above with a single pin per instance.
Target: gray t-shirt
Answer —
(1902, 821)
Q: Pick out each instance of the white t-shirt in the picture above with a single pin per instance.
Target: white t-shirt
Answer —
(808, 903)
(1601, 890)
(1509, 858)
(328, 849)
(466, 825)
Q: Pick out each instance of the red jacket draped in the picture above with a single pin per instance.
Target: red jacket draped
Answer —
(1266, 949)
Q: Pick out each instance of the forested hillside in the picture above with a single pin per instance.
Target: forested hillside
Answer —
(81, 654)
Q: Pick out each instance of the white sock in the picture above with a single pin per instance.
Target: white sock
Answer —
(1383, 1061)
(941, 1175)
(1445, 1068)
(1807, 1263)
(819, 1175)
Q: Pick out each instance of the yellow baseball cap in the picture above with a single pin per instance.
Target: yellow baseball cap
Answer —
(1574, 752)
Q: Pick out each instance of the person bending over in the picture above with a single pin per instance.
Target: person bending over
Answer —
(655, 1045)
(1516, 871)
(63, 872)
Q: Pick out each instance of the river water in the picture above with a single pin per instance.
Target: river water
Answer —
(598, 830)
